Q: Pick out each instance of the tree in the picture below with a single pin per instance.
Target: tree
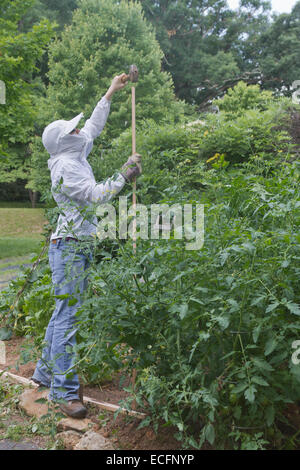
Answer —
(105, 37)
(57, 11)
(278, 54)
(206, 45)
(18, 57)
(252, 20)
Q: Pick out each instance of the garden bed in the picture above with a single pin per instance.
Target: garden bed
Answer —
(122, 430)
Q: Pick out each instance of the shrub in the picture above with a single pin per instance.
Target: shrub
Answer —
(210, 332)
(242, 98)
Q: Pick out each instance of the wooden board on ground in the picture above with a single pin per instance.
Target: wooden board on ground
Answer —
(103, 405)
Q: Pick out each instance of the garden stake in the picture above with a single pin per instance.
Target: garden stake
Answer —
(133, 77)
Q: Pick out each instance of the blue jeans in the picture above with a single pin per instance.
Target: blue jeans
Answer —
(55, 368)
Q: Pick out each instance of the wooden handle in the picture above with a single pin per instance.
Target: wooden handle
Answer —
(133, 121)
(133, 152)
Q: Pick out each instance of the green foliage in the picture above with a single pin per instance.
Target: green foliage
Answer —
(251, 133)
(205, 43)
(278, 57)
(39, 176)
(57, 11)
(19, 54)
(209, 331)
(102, 41)
(173, 155)
(243, 97)
(16, 429)
(30, 312)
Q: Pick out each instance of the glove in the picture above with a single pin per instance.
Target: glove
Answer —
(132, 168)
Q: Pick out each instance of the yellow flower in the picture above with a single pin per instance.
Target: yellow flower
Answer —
(205, 133)
(217, 155)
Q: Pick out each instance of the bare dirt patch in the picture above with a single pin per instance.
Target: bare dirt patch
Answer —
(122, 430)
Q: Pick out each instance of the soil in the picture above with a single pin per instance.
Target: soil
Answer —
(123, 430)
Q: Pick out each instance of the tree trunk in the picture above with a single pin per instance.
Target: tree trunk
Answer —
(33, 198)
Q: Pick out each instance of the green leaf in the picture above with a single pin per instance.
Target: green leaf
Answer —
(259, 381)
(250, 393)
(240, 388)
(234, 305)
(5, 334)
(256, 333)
(183, 310)
(270, 415)
(62, 296)
(210, 433)
(145, 423)
(237, 412)
(223, 322)
(293, 308)
(262, 364)
(272, 307)
(270, 346)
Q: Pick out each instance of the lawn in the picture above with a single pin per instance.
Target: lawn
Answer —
(20, 231)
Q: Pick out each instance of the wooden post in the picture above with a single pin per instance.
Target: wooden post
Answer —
(134, 206)
(133, 152)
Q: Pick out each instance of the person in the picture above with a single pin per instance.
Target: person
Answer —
(76, 192)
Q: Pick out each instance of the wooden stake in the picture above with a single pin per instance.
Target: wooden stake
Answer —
(133, 152)
(101, 404)
(134, 205)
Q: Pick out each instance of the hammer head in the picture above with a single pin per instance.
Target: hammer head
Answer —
(133, 73)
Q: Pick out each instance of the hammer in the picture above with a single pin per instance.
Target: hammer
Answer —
(133, 75)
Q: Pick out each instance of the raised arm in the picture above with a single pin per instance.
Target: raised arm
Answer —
(94, 126)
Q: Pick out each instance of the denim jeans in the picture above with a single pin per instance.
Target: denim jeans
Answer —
(55, 368)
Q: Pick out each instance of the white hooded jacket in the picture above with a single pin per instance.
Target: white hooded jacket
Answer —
(73, 183)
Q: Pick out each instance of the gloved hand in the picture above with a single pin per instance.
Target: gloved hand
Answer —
(132, 167)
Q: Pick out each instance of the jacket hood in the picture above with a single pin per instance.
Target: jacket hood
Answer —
(55, 132)
(70, 146)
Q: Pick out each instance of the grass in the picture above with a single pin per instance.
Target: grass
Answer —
(14, 261)
(15, 247)
(12, 247)
(21, 231)
(21, 223)
(15, 425)
(18, 205)
(10, 267)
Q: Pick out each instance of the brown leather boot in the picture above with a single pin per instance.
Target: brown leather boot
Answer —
(74, 409)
